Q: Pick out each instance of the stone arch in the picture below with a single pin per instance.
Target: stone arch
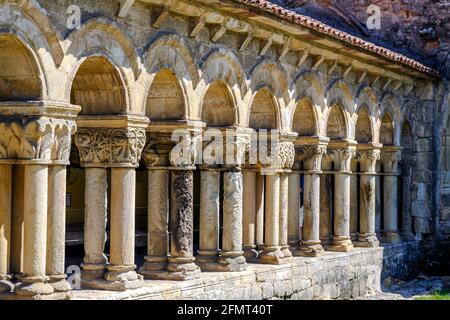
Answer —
(99, 88)
(263, 112)
(222, 65)
(366, 98)
(391, 105)
(339, 92)
(20, 74)
(406, 137)
(167, 51)
(309, 89)
(337, 127)
(218, 107)
(165, 98)
(305, 119)
(387, 130)
(364, 127)
(98, 39)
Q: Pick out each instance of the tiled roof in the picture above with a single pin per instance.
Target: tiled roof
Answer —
(318, 26)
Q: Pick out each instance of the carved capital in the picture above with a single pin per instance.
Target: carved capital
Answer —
(342, 157)
(187, 145)
(35, 138)
(157, 150)
(311, 156)
(110, 146)
(368, 159)
(280, 155)
(390, 159)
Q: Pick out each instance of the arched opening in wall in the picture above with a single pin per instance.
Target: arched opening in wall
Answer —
(304, 122)
(19, 73)
(165, 99)
(405, 221)
(363, 133)
(98, 88)
(263, 114)
(100, 91)
(218, 106)
(336, 125)
(387, 130)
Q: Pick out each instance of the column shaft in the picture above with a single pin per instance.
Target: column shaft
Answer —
(260, 204)
(341, 236)
(326, 207)
(390, 228)
(249, 212)
(284, 202)
(181, 262)
(232, 255)
(367, 236)
(272, 253)
(311, 244)
(158, 222)
(56, 227)
(35, 231)
(5, 219)
(17, 222)
(95, 218)
(294, 211)
(378, 210)
(406, 231)
(354, 205)
(209, 218)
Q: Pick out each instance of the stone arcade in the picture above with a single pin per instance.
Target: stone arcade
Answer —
(86, 119)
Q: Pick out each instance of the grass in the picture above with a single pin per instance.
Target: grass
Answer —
(437, 295)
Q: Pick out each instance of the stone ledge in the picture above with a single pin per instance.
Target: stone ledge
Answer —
(331, 276)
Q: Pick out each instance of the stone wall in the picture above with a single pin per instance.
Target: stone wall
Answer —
(332, 276)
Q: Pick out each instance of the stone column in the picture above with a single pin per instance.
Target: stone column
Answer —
(326, 205)
(95, 219)
(232, 256)
(390, 157)
(17, 236)
(378, 209)
(311, 245)
(294, 212)
(209, 219)
(121, 270)
(181, 261)
(5, 221)
(354, 214)
(260, 208)
(249, 212)
(272, 253)
(56, 228)
(367, 236)
(158, 222)
(342, 153)
(34, 279)
(284, 202)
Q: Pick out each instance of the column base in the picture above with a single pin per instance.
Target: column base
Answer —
(354, 236)
(250, 253)
(390, 237)
(310, 249)
(367, 240)
(207, 260)
(122, 278)
(232, 261)
(153, 264)
(34, 287)
(286, 252)
(59, 283)
(92, 272)
(407, 236)
(6, 284)
(178, 269)
(272, 255)
(340, 244)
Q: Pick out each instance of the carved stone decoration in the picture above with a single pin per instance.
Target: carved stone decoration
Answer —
(368, 159)
(280, 155)
(312, 156)
(236, 151)
(35, 138)
(342, 157)
(110, 145)
(390, 160)
(184, 153)
(157, 151)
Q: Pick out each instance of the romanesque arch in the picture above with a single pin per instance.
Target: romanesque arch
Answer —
(387, 130)
(165, 99)
(336, 123)
(305, 119)
(263, 112)
(390, 107)
(20, 75)
(364, 128)
(98, 88)
(218, 106)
